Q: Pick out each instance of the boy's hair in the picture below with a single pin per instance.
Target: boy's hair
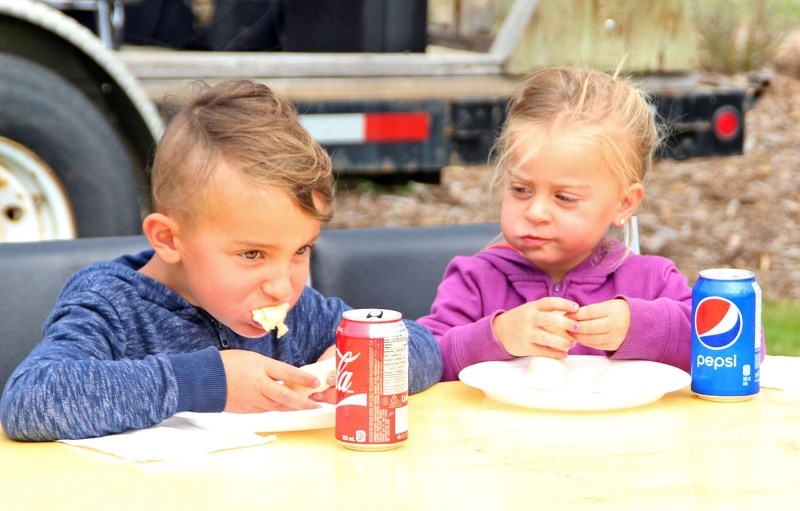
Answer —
(584, 106)
(252, 129)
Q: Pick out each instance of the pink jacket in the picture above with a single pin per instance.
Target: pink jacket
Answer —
(476, 288)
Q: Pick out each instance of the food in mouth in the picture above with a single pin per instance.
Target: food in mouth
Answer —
(545, 373)
(321, 369)
(271, 318)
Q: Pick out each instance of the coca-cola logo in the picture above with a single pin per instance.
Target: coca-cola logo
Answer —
(344, 378)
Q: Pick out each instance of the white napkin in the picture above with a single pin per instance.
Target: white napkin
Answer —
(173, 438)
(781, 373)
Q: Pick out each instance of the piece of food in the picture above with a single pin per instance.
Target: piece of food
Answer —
(271, 318)
(614, 378)
(545, 373)
(321, 369)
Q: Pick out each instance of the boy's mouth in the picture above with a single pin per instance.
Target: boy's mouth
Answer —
(271, 318)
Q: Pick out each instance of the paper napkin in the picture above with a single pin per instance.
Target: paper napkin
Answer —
(172, 439)
(781, 373)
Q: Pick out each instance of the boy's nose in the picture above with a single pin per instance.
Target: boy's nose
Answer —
(278, 287)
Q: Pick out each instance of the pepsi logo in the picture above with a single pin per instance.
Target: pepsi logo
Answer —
(717, 322)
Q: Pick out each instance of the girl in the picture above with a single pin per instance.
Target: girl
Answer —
(570, 160)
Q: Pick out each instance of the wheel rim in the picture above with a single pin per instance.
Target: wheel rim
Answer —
(33, 204)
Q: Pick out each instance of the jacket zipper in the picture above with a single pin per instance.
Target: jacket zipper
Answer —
(223, 338)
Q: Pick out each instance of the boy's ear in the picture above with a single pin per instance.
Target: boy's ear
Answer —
(161, 231)
(631, 200)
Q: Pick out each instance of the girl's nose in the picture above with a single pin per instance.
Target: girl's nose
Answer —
(538, 210)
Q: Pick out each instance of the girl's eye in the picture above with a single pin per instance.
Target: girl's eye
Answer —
(566, 198)
(519, 190)
(251, 255)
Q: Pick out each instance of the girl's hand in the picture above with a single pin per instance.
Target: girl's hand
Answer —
(538, 328)
(253, 383)
(603, 325)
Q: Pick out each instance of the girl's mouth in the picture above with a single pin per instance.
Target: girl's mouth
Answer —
(533, 241)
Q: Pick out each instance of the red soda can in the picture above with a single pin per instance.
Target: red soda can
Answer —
(371, 380)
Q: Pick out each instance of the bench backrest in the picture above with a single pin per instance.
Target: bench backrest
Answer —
(392, 267)
(31, 277)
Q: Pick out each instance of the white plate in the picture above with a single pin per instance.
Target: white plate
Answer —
(594, 383)
(265, 422)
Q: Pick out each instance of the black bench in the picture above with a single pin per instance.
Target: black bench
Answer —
(391, 268)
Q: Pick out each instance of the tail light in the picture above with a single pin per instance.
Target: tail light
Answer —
(727, 123)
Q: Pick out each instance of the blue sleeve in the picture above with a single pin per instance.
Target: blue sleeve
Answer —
(424, 358)
(200, 376)
(317, 318)
(76, 384)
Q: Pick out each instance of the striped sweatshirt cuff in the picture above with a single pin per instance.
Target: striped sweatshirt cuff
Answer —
(202, 386)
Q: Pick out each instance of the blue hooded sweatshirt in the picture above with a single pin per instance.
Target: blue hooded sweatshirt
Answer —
(122, 351)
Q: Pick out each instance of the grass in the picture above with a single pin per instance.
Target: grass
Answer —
(785, 12)
(781, 321)
(735, 37)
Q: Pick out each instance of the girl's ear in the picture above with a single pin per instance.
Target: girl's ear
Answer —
(630, 201)
(161, 231)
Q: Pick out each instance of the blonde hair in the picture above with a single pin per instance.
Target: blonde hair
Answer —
(584, 107)
(588, 106)
(251, 128)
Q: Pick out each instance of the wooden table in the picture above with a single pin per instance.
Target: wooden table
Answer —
(465, 452)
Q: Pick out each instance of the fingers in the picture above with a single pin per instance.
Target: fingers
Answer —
(541, 324)
(326, 396)
(287, 373)
(284, 398)
(592, 311)
(603, 325)
(547, 351)
(555, 304)
(555, 339)
(602, 317)
(254, 383)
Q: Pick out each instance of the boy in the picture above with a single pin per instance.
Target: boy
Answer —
(240, 191)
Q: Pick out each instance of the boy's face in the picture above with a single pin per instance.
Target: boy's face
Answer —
(248, 247)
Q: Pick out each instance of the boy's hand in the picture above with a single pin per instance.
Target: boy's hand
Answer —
(328, 395)
(253, 383)
(603, 325)
(538, 328)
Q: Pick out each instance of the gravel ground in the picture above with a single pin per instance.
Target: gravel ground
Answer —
(738, 211)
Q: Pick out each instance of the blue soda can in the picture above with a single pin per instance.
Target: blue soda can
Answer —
(726, 335)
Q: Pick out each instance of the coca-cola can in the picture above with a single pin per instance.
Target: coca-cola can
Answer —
(371, 380)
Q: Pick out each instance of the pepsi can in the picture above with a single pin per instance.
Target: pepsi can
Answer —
(726, 335)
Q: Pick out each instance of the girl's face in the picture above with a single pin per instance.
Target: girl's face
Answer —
(558, 206)
(249, 248)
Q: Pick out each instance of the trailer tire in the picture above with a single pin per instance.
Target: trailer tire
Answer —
(53, 119)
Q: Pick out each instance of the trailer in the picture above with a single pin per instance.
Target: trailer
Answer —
(79, 109)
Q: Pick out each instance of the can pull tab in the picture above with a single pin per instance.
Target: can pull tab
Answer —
(375, 314)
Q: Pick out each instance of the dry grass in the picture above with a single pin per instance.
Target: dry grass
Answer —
(738, 36)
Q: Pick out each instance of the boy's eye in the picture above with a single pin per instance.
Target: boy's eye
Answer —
(303, 250)
(251, 255)
(565, 198)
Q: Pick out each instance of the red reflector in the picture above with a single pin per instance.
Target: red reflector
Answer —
(727, 123)
(397, 127)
